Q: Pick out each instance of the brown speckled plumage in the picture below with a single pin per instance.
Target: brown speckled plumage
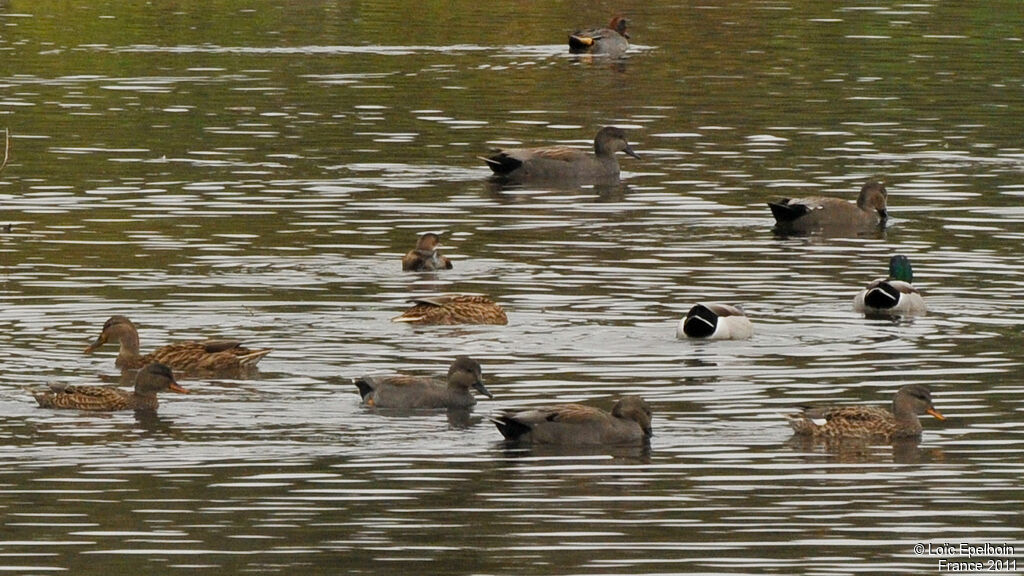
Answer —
(211, 356)
(868, 422)
(453, 309)
(150, 380)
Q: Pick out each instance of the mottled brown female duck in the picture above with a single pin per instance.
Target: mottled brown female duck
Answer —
(211, 356)
(150, 380)
(425, 257)
(833, 215)
(868, 422)
(629, 422)
(612, 41)
(416, 392)
(563, 164)
(453, 309)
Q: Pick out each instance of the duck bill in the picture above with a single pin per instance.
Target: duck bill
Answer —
(629, 150)
(175, 387)
(99, 342)
(482, 389)
(938, 415)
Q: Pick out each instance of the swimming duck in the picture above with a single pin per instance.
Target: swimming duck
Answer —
(216, 356)
(578, 424)
(453, 309)
(868, 422)
(715, 321)
(817, 213)
(613, 40)
(153, 378)
(563, 163)
(892, 296)
(410, 392)
(425, 257)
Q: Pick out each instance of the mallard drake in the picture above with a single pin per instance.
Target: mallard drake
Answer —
(153, 378)
(629, 422)
(563, 163)
(613, 40)
(715, 322)
(892, 296)
(411, 392)
(817, 213)
(453, 309)
(425, 257)
(868, 422)
(211, 356)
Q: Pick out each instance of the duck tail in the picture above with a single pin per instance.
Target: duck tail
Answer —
(783, 211)
(253, 357)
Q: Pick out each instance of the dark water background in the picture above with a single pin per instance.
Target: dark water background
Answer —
(255, 170)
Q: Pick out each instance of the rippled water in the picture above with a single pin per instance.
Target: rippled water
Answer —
(256, 172)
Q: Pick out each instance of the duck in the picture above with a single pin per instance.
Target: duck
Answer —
(210, 356)
(612, 41)
(818, 213)
(417, 392)
(894, 295)
(153, 378)
(868, 422)
(425, 257)
(563, 163)
(715, 321)
(453, 309)
(629, 422)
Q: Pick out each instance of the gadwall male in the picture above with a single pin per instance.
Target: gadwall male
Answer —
(210, 356)
(412, 392)
(892, 296)
(150, 380)
(629, 422)
(817, 213)
(715, 321)
(453, 309)
(562, 163)
(868, 422)
(613, 40)
(425, 257)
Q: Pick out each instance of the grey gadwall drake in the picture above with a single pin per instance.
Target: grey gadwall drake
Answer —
(868, 422)
(562, 163)
(150, 380)
(453, 309)
(892, 296)
(210, 356)
(412, 392)
(612, 41)
(817, 213)
(715, 321)
(629, 422)
(425, 257)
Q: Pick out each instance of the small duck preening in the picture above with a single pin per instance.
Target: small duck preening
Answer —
(715, 321)
(453, 309)
(629, 422)
(413, 392)
(612, 41)
(833, 215)
(211, 356)
(892, 296)
(868, 422)
(149, 381)
(425, 257)
(563, 164)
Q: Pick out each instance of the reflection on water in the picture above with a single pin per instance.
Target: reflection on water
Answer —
(257, 173)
